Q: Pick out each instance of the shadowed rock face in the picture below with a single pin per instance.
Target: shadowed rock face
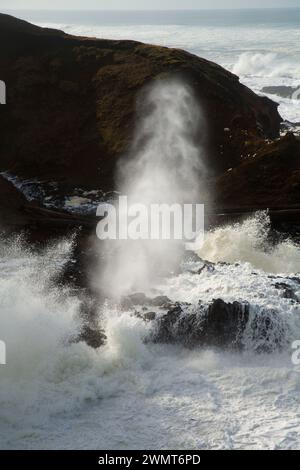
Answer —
(268, 176)
(12, 204)
(71, 103)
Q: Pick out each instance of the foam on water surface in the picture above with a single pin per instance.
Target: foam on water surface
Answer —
(131, 394)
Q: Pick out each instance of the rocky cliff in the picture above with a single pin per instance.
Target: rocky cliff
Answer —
(71, 102)
(70, 115)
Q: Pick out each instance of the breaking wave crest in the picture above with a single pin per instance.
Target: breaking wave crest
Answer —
(249, 242)
(265, 65)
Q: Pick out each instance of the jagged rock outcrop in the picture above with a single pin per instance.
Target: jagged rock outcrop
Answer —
(219, 324)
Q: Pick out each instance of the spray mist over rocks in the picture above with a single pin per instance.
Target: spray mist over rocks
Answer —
(165, 165)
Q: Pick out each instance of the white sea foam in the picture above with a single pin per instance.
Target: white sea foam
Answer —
(266, 65)
(131, 394)
(248, 242)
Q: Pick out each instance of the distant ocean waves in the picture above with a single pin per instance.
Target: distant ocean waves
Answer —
(262, 56)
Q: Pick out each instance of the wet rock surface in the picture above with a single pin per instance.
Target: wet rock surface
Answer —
(94, 338)
(219, 324)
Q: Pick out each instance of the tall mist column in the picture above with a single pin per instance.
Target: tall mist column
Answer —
(164, 166)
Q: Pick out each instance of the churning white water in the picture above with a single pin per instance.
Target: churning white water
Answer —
(132, 394)
(248, 242)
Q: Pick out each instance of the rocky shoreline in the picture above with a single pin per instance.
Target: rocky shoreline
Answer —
(217, 324)
(70, 116)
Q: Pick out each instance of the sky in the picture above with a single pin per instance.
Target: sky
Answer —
(143, 4)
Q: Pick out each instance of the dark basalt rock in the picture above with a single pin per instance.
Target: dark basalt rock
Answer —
(149, 316)
(226, 326)
(12, 204)
(94, 338)
(220, 325)
(287, 291)
(268, 176)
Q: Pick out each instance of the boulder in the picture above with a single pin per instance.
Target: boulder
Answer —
(222, 325)
(219, 325)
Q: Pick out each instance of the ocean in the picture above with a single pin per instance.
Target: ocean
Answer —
(133, 393)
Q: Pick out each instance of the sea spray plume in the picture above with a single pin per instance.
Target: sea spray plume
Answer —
(165, 165)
